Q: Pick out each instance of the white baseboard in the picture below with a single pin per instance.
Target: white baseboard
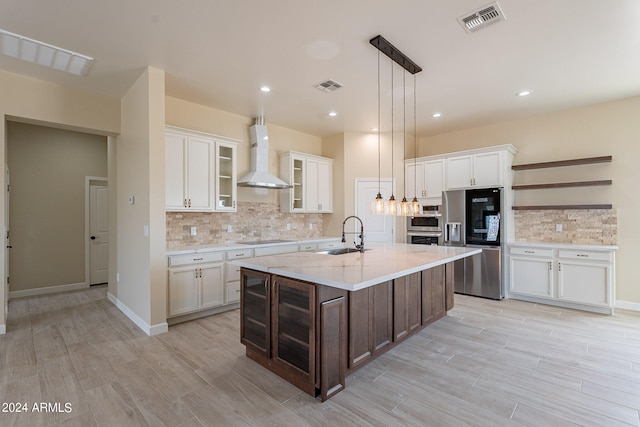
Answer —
(146, 328)
(3, 329)
(48, 290)
(627, 305)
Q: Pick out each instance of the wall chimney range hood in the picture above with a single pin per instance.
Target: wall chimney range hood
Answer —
(259, 176)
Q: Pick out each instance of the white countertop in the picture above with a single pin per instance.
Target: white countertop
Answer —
(355, 271)
(233, 246)
(564, 246)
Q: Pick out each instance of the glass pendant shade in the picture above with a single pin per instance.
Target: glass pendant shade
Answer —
(378, 205)
(415, 207)
(405, 207)
(392, 207)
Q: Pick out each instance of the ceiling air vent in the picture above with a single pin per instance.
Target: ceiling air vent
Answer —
(328, 86)
(479, 19)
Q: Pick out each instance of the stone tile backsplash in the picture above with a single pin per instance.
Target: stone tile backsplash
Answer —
(253, 221)
(579, 227)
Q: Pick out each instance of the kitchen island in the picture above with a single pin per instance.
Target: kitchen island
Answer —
(313, 318)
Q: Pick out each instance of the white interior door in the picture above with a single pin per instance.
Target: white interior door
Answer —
(98, 234)
(377, 228)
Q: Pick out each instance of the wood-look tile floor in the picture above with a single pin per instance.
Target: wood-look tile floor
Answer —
(488, 363)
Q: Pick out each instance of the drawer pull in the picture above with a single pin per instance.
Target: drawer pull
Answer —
(198, 259)
(242, 254)
(529, 252)
(583, 255)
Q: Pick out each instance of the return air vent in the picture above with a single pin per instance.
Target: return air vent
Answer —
(479, 19)
(328, 86)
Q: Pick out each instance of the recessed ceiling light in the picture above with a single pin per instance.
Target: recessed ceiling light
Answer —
(332, 114)
(524, 92)
(436, 115)
(265, 89)
(43, 54)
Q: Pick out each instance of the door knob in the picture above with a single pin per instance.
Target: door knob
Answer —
(93, 237)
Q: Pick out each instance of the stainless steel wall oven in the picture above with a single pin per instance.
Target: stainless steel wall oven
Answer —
(425, 228)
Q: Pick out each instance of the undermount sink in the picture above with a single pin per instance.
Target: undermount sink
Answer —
(340, 251)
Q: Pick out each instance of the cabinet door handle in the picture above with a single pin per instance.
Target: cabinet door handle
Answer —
(189, 202)
(550, 266)
(266, 285)
(559, 267)
(234, 204)
(184, 203)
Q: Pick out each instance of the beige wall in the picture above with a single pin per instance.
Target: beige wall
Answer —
(37, 101)
(140, 173)
(360, 160)
(47, 212)
(610, 128)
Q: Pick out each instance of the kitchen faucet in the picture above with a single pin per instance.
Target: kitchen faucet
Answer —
(359, 247)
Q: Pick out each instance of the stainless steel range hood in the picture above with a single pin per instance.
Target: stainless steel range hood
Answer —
(259, 176)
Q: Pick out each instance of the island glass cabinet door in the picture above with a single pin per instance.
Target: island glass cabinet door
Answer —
(255, 311)
(293, 326)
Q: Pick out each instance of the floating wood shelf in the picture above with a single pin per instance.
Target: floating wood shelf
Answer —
(561, 163)
(562, 185)
(559, 207)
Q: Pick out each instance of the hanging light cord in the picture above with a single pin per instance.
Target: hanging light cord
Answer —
(379, 193)
(392, 130)
(404, 131)
(415, 142)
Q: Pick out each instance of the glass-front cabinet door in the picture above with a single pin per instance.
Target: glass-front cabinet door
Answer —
(255, 311)
(226, 176)
(294, 326)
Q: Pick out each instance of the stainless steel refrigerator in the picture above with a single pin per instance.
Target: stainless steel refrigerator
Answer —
(473, 218)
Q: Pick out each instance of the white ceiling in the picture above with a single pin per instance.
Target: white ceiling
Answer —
(219, 52)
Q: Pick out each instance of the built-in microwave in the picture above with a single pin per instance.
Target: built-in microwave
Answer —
(428, 220)
(425, 228)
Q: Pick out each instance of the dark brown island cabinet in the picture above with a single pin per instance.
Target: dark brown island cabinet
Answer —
(315, 335)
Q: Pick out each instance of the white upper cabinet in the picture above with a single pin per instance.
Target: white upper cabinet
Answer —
(200, 172)
(311, 178)
(226, 181)
(425, 180)
(474, 170)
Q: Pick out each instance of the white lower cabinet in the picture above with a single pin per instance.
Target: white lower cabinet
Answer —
(194, 288)
(532, 276)
(209, 280)
(581, 278)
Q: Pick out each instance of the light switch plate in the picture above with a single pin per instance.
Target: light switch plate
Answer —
(132, 200)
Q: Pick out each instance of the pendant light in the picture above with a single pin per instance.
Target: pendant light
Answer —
(377, 204)
(405, 208)
(393, 207)
(416, 208)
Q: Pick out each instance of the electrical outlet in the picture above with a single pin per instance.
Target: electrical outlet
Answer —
(193, 231)
(288, 227)
(310, 226)
(229, 228)
(558, 227)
